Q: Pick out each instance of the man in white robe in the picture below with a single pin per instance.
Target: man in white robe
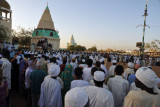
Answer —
(78, 80)
(129, 70)
(74, 65)
(111, 68)
(118, 86)
(51, 89)
(103, 66)
(87, 71)
(98, 96)
(149, 95)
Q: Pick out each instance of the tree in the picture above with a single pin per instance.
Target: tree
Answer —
(79, 48)
(94, 48)
(22, 36)
(153, 46)
(71, 48)
(3, 33)
(76, 48)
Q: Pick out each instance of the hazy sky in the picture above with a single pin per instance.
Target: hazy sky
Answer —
(101, 23)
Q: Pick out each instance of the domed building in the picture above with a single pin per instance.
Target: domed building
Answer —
(71, 42)
(6, 17)
(45, 33)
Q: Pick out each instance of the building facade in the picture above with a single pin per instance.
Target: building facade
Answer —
(6, 18)
(46, 30)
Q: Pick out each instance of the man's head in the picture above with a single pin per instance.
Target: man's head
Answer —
(99, 78)
(53, 59)
(54, 70)
(78, 73)
(146, 79)
(102, 60)
(114, 62)
(98, 64)
(6, 54)
(119, 70)
(39, 64)
(89, 62)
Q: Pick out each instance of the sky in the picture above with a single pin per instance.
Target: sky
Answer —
(101, 23)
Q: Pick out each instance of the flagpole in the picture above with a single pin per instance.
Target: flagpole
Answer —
(144, 26)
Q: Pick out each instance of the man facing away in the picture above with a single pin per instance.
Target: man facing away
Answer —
(118, 86)
(51, 89)
(99, 96)
(37, 78)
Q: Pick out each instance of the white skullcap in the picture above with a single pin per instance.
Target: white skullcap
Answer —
(54, 70)
(99, 76)
(76, 97)
(148, 78)
(114, 61)
(131, 65)
(83, 60)
(101, 60)
(0, 55)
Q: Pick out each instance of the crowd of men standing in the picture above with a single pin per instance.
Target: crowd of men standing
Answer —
(77, 79)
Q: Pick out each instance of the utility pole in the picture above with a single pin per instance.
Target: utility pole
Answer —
(144, 26)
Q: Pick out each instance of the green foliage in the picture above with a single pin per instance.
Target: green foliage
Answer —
(76, 48)
(93, 49)
(3, 33)
(153, 46)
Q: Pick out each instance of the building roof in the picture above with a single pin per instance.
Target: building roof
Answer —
(72, 41)
(5, 4)
(46, 20)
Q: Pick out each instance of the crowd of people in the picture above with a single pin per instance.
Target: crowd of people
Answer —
(77, 79)
(44, 44)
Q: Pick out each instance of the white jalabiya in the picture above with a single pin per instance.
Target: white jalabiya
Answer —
(105, 69)
(99, 97)
(58, 79)
(119, 88)
(73, 67)
(6, 66)
(50, 93)
(141, 99)
(127, 71)
(78, 83)
(93, 84)
(111, 70)
(87, 74)
(133, 87)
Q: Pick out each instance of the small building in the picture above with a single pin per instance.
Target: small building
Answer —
(46, 31)
(71, 42)
(6, 18)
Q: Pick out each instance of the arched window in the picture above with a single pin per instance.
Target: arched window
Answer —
(51, 34)
(37, 33)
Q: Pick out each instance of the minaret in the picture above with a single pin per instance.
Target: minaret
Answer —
(46, 29)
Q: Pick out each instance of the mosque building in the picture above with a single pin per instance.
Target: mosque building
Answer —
(46, 31)
(6, 18)
(71, 42)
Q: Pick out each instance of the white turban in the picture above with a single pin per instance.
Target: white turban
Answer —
(131, 65)
(114, 61)
(76, 97)
(148, 78)
(54, 70)
(99, 76)
(83, 60)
